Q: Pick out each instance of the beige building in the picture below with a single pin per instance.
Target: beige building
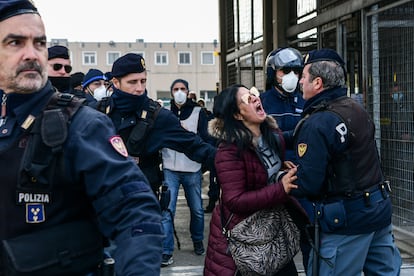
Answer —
(197, 63)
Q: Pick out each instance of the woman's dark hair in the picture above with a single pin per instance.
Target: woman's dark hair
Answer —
(225, 108)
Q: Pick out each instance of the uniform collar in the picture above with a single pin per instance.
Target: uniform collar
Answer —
(21, 105)
(325, 96)
(282, 95)
(126, 102)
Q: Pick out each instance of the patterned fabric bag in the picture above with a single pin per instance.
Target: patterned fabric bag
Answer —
(264, 242)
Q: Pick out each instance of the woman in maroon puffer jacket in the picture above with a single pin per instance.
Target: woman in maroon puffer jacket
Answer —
(249, 161)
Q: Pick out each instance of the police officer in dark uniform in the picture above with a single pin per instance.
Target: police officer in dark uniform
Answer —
(59, 68)
(284, 102)
(146, 127)
(340, 171)
(55, 177)
(283, 99)
(76, 80)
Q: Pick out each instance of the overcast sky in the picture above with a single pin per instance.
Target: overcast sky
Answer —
(128, 20)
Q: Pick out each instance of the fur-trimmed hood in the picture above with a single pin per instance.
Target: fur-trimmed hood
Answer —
(216, 127)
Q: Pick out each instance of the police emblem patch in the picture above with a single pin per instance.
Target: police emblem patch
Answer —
(118, 145)
(302, 147)
(35, 213)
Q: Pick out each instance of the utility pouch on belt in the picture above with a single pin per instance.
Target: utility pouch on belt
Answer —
(73, 248)
(331, 216)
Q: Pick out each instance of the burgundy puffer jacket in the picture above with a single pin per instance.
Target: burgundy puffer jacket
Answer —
(243, 181)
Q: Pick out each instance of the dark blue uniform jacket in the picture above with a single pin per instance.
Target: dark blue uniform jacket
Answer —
(286, 109)
(321, 140)
(166, 132)
(126, 209)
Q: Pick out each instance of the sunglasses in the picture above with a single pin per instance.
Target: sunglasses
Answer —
(248, 98)
(287, 70)
(58, 66)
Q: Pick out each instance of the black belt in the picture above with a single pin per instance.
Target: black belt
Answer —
(368, 198)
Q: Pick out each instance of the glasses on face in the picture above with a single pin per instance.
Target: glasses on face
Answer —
(287, 70)
(251, 96)
(58, 66)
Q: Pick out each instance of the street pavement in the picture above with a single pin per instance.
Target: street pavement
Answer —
(186, 263)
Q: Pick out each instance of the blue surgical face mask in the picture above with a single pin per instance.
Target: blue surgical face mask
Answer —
(397, 97)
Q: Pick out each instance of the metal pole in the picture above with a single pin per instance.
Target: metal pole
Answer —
(315, 263)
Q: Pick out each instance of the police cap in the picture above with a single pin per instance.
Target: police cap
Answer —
(10, 8)
(91, 76)
(76, 78)
(324, 54)
(58, 51)
(127, 64)
(108, 76)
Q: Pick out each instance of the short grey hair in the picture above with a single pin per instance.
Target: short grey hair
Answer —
(331, 73)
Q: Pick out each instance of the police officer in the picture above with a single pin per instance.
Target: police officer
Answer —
(59, 67)
(76, 80)
(144, 125)
(93, 179)
(340, 171)
(284, 102)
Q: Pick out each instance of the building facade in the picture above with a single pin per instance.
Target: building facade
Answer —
(375, 38)
(197, 63)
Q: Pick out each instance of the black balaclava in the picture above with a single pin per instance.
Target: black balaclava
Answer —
(62, 84)
(126, 102)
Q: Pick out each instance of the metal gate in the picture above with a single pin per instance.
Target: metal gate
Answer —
(390, 99)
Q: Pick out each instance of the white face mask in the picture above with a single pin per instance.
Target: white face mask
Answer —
(180, 97)
(99, 92)
(290, 82)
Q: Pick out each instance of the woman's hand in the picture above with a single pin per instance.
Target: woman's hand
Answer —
(289, 178)
(288, 165)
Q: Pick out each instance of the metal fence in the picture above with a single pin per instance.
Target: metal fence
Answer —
(390, 99)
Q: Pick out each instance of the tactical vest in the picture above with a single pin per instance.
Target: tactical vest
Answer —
(40, 192)
(135, 139)
(347, 173)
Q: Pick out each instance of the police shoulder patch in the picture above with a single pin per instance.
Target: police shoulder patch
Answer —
(118, 145)
(302, 147)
